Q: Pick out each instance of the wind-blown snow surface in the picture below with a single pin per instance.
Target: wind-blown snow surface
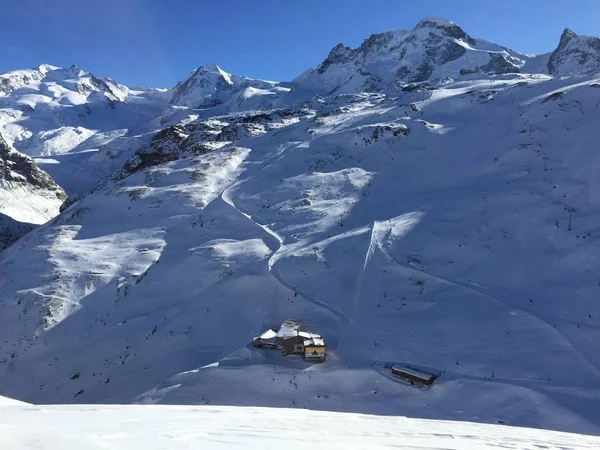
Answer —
(451, 226)
(27, 427)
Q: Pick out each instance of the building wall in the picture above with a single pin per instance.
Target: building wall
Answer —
(290, 343)
(308, 351)
(412, 378)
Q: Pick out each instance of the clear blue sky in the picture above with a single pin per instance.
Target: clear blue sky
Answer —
(158, 42)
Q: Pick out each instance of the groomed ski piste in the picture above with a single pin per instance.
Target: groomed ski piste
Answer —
(90, 427)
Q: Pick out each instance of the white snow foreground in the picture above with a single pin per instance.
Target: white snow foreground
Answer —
(76, 427)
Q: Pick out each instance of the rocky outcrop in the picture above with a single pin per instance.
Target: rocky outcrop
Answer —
(449, 28)
(27, 193)
(18, 169)
(15, 80)
(174, 142)
(165, 146)
(338, 55)
(575, 55)
(11, 231)
(499, 64)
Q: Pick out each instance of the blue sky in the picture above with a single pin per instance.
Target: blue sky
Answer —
(158, 42)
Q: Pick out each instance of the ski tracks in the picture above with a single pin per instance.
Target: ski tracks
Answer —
(275, 244)
(580, 343)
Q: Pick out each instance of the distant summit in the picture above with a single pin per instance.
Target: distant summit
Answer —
(435, 49)
(575, 55)
(209, 86)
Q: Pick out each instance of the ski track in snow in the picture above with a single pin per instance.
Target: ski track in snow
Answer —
(579, 342)
(275, 243)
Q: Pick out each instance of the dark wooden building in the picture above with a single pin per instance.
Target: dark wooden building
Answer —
(414, 376)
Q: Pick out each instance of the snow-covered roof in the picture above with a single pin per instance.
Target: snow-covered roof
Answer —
(314, 342)
(413, 372)
(269, 334)
(289, 327)
(308, 334)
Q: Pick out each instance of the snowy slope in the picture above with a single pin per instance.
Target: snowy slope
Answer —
(449, 225)
(402, 231)
(5, 401)
(174, 427)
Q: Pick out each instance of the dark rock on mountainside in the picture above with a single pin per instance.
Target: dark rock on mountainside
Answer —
(499, 65)
(450, 29)
(18, 169)
(12, 230)
(164, 147)
(575, 55)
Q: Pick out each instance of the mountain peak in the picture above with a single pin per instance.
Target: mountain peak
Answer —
(447, 27)
(201, 88)
(209, 86)
(338, 50)
(567, 35)
(19, 173)
(45, 68)
(210, 68)
(432, 21)
(575, 55)
(434, 49)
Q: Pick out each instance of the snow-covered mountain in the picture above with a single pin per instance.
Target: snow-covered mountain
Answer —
(427, 199)
(209, 86)
(435, 49)
(49, 110)
(575, 55)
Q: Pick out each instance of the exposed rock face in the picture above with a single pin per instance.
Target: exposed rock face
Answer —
(172, 142)
(164, 147)
(11, 231)
(17, 168)
(27, 193)
(338, 55)
(449, 28)
(14, 80)
(575, 55)
(104, 85)
(499, 64)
